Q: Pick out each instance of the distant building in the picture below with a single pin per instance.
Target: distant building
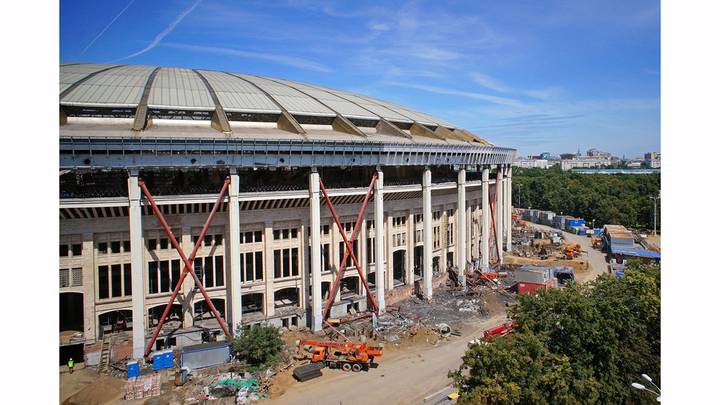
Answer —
(652, 159)
(532, 163)
(584, 163)
(634, 164)
(598, 153)
(567, 156)
(545, 155)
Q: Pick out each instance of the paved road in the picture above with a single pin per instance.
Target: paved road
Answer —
(406, 377)
(595, 258)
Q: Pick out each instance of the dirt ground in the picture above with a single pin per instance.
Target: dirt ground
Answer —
(87, 387)
(594, 258)
(404, 376)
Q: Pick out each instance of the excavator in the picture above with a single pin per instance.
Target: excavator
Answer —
(572, 250)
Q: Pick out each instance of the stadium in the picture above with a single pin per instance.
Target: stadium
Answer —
(287, 199)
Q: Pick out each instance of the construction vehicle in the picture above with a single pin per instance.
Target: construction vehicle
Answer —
(344, 355)
(572, 250)
(498, 330)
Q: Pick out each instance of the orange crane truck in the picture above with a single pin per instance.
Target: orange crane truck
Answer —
(344, 355)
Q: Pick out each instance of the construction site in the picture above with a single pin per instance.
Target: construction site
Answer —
(196, 202)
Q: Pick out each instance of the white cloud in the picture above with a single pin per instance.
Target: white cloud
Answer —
(106, 27)
(159, 37)
(489, 82)
(461, 93)
(282, 59)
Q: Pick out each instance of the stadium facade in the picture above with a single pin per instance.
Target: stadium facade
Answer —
(273, 246)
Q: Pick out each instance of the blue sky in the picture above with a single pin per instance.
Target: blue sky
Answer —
(538, 76)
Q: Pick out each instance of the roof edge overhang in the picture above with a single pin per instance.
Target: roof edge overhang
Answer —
(96, 153)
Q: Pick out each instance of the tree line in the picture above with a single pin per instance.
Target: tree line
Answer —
(607, 198)
(581, 344)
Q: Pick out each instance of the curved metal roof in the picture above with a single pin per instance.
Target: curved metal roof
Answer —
(168, 102)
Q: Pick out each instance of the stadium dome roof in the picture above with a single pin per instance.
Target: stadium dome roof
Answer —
(131, 116)
(139, 98)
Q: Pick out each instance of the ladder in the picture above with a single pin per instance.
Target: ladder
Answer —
(104, 365)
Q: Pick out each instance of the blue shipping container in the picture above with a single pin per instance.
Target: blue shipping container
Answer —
(163, 359)
(133, 369)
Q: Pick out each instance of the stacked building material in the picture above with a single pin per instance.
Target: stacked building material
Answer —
(146, 386)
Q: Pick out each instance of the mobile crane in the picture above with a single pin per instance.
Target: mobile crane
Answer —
(344, 355)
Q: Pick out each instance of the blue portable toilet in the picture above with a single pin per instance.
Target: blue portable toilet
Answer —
(133, 369)
(163, 359)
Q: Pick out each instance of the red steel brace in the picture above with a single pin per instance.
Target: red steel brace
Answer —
(188, 261)
(349, 247)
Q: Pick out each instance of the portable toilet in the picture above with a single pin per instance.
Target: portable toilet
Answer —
(133, 369)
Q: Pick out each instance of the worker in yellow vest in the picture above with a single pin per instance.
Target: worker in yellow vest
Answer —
(71, 365)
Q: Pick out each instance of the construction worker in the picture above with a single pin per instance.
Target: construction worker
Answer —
(71, 365)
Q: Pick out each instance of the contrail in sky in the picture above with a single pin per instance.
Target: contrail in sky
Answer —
(106, 28)
(164, 32)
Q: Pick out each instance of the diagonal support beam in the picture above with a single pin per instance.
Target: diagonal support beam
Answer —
(353, 237)
(349, 246)
(388, 128)
(142, 118)
(219, 119)
(419, 129)
(342, 124)
(187, 261)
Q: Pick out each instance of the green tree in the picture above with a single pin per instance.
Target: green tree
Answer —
(258, 345)
(608, 198)
(584, 343)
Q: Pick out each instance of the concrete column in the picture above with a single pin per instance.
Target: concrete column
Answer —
(485, 232)
(508, 204)
(427, 233)
(269, 267)
(379, 243)
(136, 262)
(316, 246)
(461, 223)
(410, 255)
(389, 264)
(304, 268)
(187, 290)
(233, 226)
(498, 212)
(88, 282)
(469, 235)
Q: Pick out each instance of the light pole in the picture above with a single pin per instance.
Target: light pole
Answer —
(641, 387)
(519, 188)
(655, 213)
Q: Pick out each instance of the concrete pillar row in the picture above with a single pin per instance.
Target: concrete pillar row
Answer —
(498, 212)
(427, 233)
(234, 288)
(485, 232)
(379, 243)
(461, 223)
(136, 263)
(508, 203)
(316, 249)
